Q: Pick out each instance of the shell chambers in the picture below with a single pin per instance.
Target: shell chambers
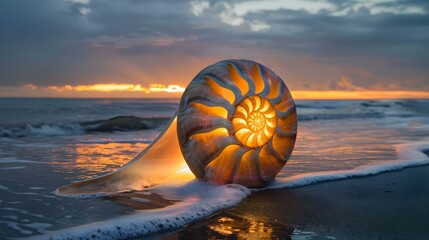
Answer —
(237, 123)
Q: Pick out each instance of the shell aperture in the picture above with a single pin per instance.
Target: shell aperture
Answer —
(236, 123)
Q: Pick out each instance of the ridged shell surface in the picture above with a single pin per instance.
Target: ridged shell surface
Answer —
(237, 123)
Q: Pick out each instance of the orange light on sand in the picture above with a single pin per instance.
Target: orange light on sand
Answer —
(350, 95)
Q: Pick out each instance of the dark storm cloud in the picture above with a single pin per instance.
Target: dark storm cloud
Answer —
(394, 34)
(83, 41)
(399, 41)
(55, 42)
(358, 33)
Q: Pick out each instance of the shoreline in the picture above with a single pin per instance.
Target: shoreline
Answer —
(392, 205)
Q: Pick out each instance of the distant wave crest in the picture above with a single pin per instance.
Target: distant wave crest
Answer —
(324, 110)
(307, 111)
(120, 123)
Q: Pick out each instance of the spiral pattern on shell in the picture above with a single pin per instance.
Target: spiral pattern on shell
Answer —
(237, 123)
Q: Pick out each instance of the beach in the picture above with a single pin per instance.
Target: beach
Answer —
(391, 205)
(358, 171)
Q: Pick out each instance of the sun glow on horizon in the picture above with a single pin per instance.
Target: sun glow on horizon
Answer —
(124, 90)
(297, 94)
(163, 88)
(362, 94)
(113, 87)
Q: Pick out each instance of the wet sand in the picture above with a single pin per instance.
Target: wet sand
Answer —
(140, 200)
(392, 205)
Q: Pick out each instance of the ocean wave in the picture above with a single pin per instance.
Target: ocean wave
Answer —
(15, 160)
(307, 111)
(129, 123)
(337, 116)
(132, 123)
(322, 110)
(120, 123)
(409, 155)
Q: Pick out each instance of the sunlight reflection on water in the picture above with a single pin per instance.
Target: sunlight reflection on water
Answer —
(95, 158)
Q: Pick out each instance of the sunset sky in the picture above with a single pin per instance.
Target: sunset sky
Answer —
(130, 48)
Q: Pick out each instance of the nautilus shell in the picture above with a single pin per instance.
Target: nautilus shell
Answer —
(236, 123)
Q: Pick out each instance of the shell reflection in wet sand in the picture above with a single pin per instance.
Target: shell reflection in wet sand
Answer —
(231, 226)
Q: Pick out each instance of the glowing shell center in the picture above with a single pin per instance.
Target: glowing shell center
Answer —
(254, 121)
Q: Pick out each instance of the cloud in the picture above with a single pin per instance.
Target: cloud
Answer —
(198, 7)
(257, 26)
(344, 83)
(237, 14)
(379, 7)
(84, 11)
(78, 1)
(136, 40)
(308, 43)
(245, 7)
(80, 6)
(230, 17)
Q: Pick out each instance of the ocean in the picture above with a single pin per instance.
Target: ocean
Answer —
(49, 143)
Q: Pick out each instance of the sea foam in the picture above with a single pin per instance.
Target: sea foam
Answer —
(196, 200)
(409, 155)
